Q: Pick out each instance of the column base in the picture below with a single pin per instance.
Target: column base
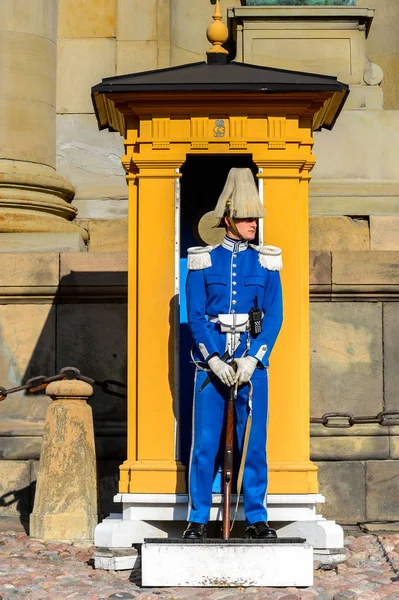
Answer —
(164, 516)
(35, 199)
(63, 241)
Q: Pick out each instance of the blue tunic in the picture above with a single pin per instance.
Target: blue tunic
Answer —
(230, 285)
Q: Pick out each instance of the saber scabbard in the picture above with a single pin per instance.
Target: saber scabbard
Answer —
(228, 462)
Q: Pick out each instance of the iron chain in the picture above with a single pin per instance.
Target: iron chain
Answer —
(345, 420)
(35, 384)
(336, 420)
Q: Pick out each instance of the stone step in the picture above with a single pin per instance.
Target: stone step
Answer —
(285, 562)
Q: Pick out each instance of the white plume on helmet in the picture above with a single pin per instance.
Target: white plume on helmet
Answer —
(239, 198)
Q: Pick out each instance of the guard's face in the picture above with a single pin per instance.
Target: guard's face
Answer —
(247, 228)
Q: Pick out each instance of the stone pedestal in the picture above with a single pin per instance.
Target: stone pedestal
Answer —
(317, 39)
(65, 508)
(33, 198)
(232, 563)
(164, 516)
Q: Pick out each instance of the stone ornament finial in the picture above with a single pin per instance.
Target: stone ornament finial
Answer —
(69, 388)
(373, 75)
(217, 33)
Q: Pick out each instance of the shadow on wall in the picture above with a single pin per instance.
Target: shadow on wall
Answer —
(82, 322)
(20, 503)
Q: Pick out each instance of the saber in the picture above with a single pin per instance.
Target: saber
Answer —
(228, 460)
(232, 325)
(212, 374)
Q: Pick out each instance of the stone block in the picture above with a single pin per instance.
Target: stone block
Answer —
(349, 448)
(320, 268)
(384, 232)
(92, 337)
(163, 21)
(108, 235)
(15, 488)
(337, 197)
(338, 233)
(133, 57)
(182, 56)
(92, 165)
(81, 63)
(394, 447)
(357, 147)
(382, 490)
(344, 486)
(20, 448)
(346, 358)
(115, 208)
(29, 270)
(93, 269)
(36, 18)
(137, 20)
(42, 242)
(331, 49)
(86, 18)
(27, 339)
(374, 268)
(186, 23)
(391, 354)
(363, 430)
(163, 55)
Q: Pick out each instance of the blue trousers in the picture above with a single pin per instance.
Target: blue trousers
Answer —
(208, 421)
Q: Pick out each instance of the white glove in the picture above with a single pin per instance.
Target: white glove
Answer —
(245, 368)
(222, 370)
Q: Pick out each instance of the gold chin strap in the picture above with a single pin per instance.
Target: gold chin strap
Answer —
(234, 227)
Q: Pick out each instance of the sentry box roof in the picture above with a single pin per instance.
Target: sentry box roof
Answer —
(203, 79)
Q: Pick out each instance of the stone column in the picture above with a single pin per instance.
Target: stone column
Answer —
(33, 198)
(65, 508)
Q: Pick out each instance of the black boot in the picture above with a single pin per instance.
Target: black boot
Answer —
(195, 531)
(260, 531)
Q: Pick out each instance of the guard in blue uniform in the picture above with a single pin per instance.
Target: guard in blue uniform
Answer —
(223, 285)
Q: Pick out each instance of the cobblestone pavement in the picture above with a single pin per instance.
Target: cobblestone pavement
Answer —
(29, 569)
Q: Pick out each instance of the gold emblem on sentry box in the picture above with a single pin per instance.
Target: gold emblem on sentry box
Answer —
(219, 130)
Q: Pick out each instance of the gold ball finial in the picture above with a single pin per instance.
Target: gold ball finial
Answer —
(217, 33)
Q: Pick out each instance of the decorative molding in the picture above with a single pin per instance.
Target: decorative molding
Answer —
(238, 145)
(238, 127)
(199, 145)
(161, 146)
(199, 128)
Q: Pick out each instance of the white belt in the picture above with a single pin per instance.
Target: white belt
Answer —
(232, 325)
(216, 319)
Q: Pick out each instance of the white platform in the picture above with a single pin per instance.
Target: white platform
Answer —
(219, 565)
(173, 507)
(164, 516)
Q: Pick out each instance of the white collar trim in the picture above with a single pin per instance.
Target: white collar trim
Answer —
(234, 245)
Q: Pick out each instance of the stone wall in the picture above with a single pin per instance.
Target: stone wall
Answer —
(59, 310)
(354, 355)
